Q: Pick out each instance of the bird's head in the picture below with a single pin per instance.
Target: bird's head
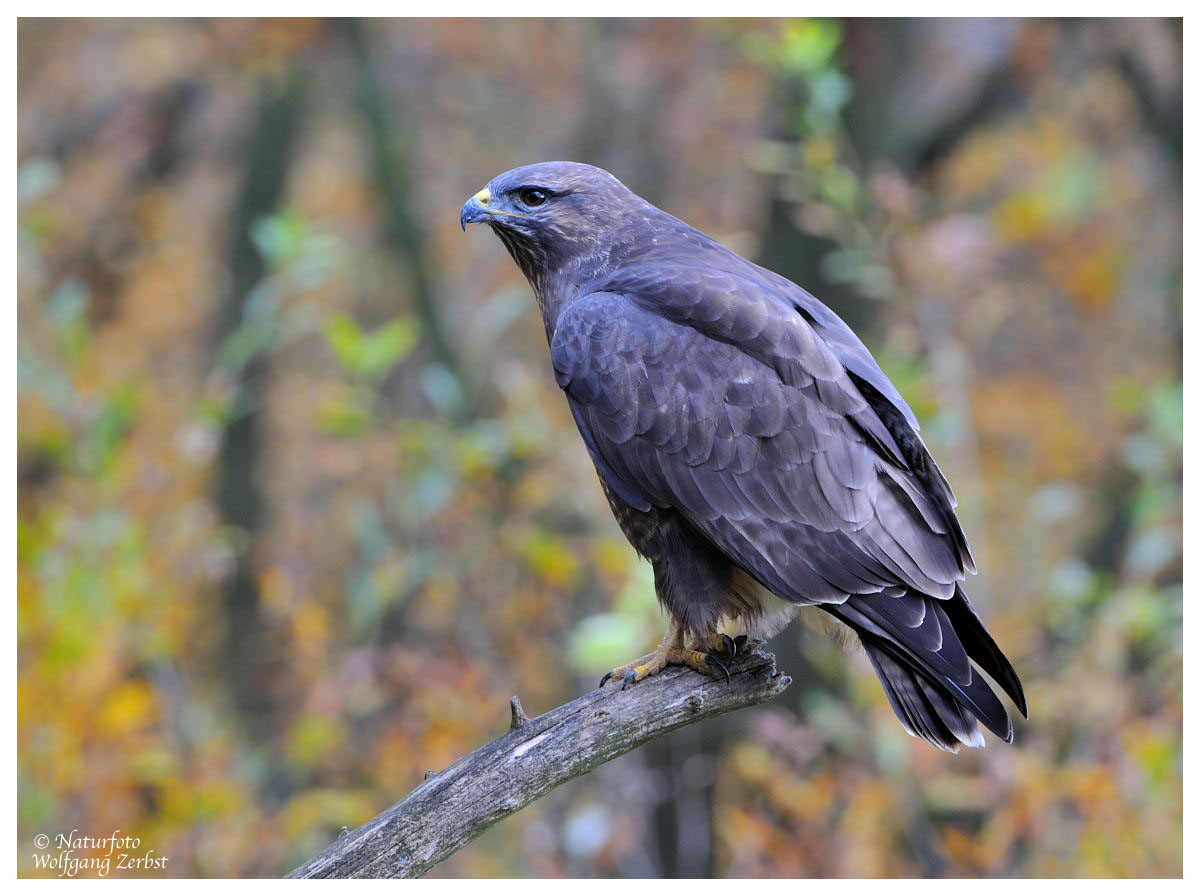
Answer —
(556, 215)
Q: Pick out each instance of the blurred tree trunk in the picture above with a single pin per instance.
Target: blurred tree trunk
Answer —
(252, 659)
(794, 253)
(610, 136)
(389, 142)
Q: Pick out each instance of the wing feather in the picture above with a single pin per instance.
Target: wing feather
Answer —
(733, 442)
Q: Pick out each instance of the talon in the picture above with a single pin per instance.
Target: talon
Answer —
(607, 676)
(708, 657)
(741, 641)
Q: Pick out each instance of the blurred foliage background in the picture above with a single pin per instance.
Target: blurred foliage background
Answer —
(300, 505)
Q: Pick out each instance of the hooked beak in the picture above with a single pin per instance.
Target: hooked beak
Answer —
(476, 208)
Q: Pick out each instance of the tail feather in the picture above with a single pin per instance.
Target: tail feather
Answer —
(923, 710)
(982, 649)
(921, 648)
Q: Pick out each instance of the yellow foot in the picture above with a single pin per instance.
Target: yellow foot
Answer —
(672, 652)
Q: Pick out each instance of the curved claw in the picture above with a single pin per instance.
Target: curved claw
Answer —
(607, 676)
(630, 678)
(730, 645)
(708, 657)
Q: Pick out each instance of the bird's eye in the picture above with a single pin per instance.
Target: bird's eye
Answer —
(531, 198)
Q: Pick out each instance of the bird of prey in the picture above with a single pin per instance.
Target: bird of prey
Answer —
(750, 448)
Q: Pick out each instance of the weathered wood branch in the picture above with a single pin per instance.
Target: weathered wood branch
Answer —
(453, 807)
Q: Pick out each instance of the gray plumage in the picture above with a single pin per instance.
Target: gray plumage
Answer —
(747, 440)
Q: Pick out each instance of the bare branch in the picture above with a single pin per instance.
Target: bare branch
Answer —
(453, 807)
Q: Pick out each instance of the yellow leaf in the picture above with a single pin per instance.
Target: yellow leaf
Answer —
(127, 708)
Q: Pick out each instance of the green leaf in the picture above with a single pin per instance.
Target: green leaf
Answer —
(67, 309)
(371, 355)
(280, 238)
(830, 90)
(807, 45)
(603, 641)
(98, 446)
(345, 339)
(387, 346)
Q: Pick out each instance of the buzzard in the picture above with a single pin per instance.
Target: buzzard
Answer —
(750, 448)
